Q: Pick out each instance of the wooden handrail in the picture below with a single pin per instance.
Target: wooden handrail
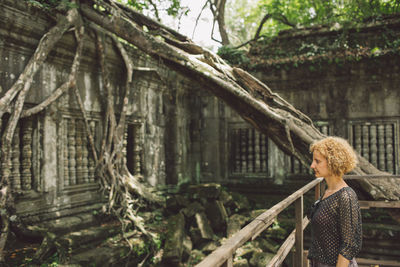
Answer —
(225, 252)
(286, 247)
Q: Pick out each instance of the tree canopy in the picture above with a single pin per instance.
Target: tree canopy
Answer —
(239, 21)
(266, 18)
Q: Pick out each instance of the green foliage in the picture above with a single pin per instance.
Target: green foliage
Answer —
(244, 16)
(158, 8)
(172, 7)
(376, 51)
(53, 261)
(233, 56)
(49, 4)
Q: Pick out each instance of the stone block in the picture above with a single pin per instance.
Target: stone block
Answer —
(261, 259)
(235, 223)
(192, 209)
(225, 197)
(196, 256)
(171, 205)
(210, 190)
(187, 248)
(240, 263)
(176, 202)
(276, 232)
(267, 245)
(174, 240)
(240, 203)
(209, 246)
(204, 226)
(182, 201)
(247, 250)
(195, 236)
(217, 215)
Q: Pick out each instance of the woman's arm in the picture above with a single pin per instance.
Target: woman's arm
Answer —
(350, 234)
(342, 261)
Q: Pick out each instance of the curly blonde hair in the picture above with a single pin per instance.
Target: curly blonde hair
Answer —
(339, 154)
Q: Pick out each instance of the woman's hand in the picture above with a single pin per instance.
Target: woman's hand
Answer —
(342, 261)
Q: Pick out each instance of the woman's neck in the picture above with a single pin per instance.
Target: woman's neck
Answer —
(335, 183)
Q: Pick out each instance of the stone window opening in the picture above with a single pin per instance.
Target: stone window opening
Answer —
(77, 159)
(248, 152)
(377, 142)
(24, 148)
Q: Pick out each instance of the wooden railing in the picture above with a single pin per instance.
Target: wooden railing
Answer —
(223, 256)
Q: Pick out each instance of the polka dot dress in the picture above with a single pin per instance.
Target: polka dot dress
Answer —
(336, 227)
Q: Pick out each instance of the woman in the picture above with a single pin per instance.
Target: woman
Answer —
(335, 217)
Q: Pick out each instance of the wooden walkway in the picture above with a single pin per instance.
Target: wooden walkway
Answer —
(223, 256)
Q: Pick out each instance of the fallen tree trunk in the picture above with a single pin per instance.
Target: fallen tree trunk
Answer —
(290, 129)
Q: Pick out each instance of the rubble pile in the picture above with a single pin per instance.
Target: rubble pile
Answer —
(202, 217)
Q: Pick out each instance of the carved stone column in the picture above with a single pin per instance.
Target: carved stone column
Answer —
(373, 146)
(357, 138)
(257, 163)
(27, 139)
(324, 129)
(15, 178)
(381, 147)
(85, 154)
(137, 151)
(250, 151)
(78, 150)
(71, 152)
(264, 152)
(365, 142)
(389, 147)
(237, 159)
(65, 152)
(243, 150)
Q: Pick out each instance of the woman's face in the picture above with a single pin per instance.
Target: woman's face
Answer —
(320, 165)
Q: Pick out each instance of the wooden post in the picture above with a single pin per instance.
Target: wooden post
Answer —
(298, 261)
(305, 260)
(228, 263)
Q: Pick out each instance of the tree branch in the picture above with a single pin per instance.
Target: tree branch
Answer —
(80, 37)
(46, 44)
(198, 18)
(63, 88)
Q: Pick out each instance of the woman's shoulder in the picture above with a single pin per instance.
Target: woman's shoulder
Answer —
(347, 193)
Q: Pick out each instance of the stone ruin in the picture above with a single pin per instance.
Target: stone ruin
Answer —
(202, 217)
(177, 131)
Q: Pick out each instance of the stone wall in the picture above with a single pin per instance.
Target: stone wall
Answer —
(346, 79)
(52, 167)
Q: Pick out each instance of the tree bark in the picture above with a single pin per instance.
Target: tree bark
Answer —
(220, 18)
(290, 129)
(45, 46)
